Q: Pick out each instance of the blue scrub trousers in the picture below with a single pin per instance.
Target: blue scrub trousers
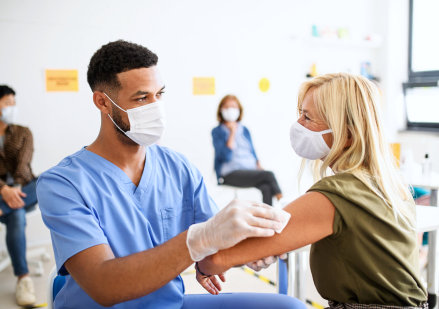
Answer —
(15, 221)
(241, 301)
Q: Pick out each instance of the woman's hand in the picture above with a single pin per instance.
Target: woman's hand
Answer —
(265, 262)
(210, 283)
(231, 125)
(13, 196)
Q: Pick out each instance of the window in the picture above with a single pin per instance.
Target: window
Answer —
(423, 40)
(421, 92)
(422, 105)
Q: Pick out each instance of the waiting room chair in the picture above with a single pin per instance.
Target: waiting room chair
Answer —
(55, 283)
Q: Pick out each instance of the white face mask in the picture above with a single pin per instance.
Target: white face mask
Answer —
(308, 144)
(147, 122)
(230, 114)
(8, 114)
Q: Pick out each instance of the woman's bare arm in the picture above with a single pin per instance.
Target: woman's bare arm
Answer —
(312, 217)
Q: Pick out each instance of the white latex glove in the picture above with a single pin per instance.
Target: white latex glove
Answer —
(234, 223)
(265, 262)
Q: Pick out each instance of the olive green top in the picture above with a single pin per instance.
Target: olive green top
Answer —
(371, 258)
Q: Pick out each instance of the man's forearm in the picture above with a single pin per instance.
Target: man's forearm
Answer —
(121, 279)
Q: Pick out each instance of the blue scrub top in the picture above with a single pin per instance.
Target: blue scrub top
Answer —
(86, 200)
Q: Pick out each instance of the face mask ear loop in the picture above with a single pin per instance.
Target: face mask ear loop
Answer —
(326, 131)
(112, 118)
(116, 124)
(114, 103)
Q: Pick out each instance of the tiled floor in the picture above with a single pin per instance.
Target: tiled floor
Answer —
(237, 281)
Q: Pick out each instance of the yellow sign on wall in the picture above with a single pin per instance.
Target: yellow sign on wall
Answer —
(203, 85)
(62, 80)
(264, 84)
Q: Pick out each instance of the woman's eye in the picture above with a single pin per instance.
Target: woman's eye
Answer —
(306, 117)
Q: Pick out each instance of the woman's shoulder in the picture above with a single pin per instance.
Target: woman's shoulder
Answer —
(346, 187)
(219, 130)
(345, 190)
(338, 182)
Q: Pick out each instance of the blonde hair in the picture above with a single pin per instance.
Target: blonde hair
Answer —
(349, 105)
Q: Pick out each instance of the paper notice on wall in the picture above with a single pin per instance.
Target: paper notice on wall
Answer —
(264, 84)
(203, 86)
(62, 80)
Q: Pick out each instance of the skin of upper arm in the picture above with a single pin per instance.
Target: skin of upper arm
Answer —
(84, 268)
(312, 217)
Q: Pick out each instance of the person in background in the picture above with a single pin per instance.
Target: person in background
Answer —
(236, 162)
(17, 191)
(360, 219)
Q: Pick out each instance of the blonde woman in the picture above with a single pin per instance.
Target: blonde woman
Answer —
(360, 221)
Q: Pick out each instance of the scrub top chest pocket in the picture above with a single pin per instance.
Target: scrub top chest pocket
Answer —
(177, 219)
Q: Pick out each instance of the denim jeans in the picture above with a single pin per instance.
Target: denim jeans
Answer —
(15, 221)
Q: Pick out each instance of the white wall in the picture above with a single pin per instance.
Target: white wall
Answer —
(237, 42)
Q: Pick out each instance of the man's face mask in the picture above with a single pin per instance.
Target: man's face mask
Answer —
(147, 122)
(8, 114)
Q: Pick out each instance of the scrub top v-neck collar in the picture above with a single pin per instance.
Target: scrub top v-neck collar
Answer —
(148, 170)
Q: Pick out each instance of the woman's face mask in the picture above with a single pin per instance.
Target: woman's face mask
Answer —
(147, 122)
(308, 144)
(230, 114)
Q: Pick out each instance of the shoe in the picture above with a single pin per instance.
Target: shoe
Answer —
(25, 292)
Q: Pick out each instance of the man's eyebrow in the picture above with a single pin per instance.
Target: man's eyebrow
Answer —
(141, 92)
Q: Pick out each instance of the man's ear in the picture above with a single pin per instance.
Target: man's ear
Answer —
(102, 102)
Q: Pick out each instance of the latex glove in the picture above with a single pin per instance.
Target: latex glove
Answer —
(234, 223)
(210, 283)
(265, 262)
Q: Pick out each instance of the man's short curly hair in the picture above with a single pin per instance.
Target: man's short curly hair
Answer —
(117, 57)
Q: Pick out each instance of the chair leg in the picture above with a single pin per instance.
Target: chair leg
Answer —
(36, 257)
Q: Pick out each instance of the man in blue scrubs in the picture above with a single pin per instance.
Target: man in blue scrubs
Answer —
(119, 209)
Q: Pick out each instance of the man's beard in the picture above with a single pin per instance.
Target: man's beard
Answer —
(117, 118)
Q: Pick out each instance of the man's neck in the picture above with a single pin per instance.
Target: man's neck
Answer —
(129, 158)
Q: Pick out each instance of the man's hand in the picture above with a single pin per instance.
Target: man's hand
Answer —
(237, 221)
(210, 283)
(13, 196)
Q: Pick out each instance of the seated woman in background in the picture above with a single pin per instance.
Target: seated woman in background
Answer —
(361, 220)
(236, 163)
